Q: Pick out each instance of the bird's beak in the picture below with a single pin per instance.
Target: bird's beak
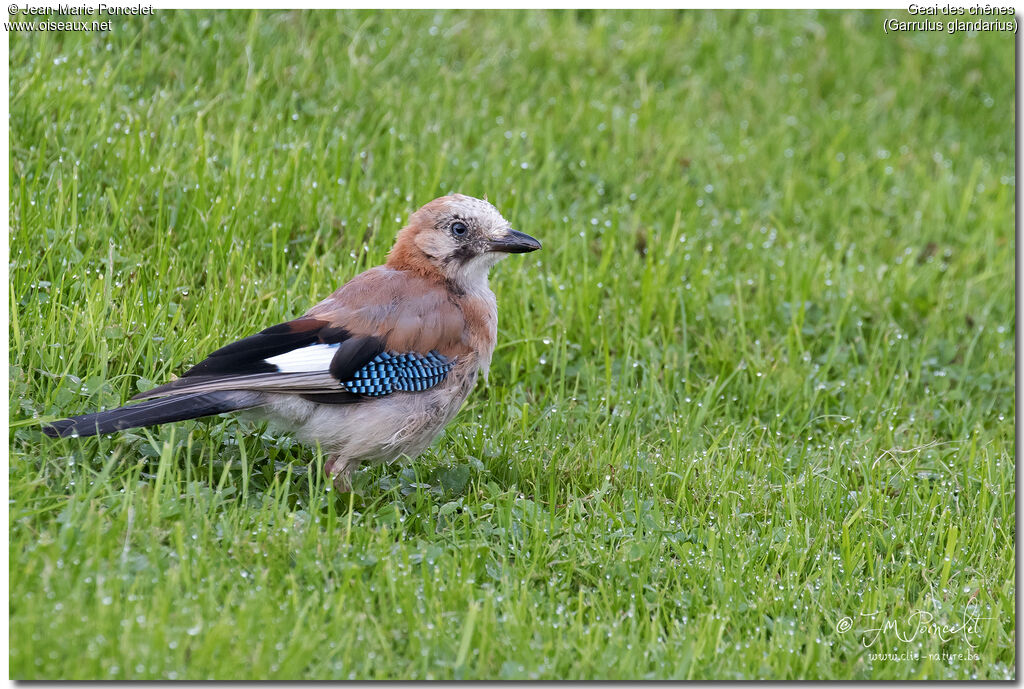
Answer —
(514, 242)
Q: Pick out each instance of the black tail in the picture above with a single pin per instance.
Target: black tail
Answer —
(163, 410)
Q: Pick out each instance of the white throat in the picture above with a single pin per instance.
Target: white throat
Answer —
(471, 277)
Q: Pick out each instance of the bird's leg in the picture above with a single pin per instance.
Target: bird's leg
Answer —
(340, 469)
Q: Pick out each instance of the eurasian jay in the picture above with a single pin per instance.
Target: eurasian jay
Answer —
(373, 372)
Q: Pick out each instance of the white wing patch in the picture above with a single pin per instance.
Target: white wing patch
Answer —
(311, 359)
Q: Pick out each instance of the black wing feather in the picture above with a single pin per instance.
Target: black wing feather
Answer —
(248, 355)
(353, 354)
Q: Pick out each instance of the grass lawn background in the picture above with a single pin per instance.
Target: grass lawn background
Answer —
(759, 379)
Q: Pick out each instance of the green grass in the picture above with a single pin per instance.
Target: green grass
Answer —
(760, 378)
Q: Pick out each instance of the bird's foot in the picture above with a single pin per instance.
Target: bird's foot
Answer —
(340, 471)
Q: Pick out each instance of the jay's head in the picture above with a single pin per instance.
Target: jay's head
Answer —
(457, 238)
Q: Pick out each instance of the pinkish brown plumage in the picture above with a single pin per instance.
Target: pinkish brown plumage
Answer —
(374, 371)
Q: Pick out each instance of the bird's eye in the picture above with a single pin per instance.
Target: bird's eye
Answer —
(459, 228)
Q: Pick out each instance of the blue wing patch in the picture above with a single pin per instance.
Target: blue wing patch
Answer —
(389, 372)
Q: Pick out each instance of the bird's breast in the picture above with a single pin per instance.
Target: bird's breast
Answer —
(481, 314)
